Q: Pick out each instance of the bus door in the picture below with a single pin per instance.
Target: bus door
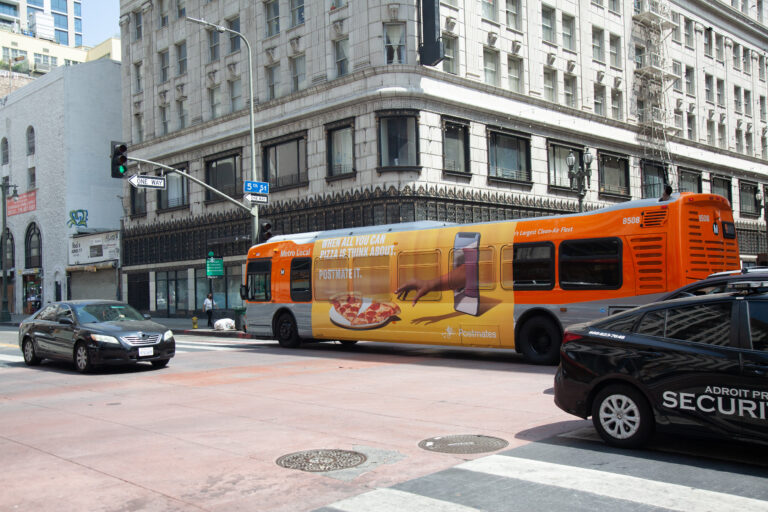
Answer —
(257, 292)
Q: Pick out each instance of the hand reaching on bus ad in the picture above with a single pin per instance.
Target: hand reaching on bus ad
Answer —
(453, 280)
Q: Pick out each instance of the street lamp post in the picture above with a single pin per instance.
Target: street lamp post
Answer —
(582, 175)
(221, 29)
(5, 315)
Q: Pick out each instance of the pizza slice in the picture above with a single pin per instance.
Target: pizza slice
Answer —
(376, 313)
(348, 307)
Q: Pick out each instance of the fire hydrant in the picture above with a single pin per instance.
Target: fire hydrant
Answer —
(194, 322)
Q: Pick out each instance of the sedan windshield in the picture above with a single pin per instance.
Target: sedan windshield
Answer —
(95, 313)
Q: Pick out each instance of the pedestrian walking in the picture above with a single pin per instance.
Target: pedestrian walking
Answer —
(208, 305)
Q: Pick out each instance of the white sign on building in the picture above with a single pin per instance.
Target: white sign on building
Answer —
(90, 249)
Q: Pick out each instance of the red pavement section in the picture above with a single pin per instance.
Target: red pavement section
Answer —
(205, 435)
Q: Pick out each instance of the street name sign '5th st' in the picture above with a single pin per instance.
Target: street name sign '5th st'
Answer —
(138, 181)
(256, 187)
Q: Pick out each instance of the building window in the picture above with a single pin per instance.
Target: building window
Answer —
(449, 62)
(455, 146)
(138, 201)
(708, 42)
(285, 161)
(748, 198)
(678, 120)
(569, 31)
(398, 140)
(747, 102)
(764, 146)
(176, 193)
(747, 60)
(137, 75)
(719, 48)
(761, 67)
(688, 25)
(690, 181)
(569, 90)
(558, 166)
(676, 27)
(163, 115)
(613, 174)
(710, 132)
(690, 81)
(341, 148)
(298, 73)
(515, 77)
(234, 39)
(722, 187)
(138, 128)
(737, 99)
(162, 9)
(720, 92)
(748, 146)
(30, 140)
(224, 174)
(598, 52)
(709, 85)
(272, 9)
(165, 64)
(181, 58)
(514, 14)
(489, 9)
(654, 177)
(31, 178)
(615, 49)
(721, 139)
(33, 248)
(136, 26)
(491, 66)
(736, 56)
(214, 100)
(691, 124)
(235, 95)
(181, 9)
(297, 12)
(181, 113)
(213, 45)
(548, 24)
(509, 157)
(599, 98)
(4, 153)
(677, 73)
(394, 43)
(273, 81)
(342, 59)
(550, 84)
(617, 104)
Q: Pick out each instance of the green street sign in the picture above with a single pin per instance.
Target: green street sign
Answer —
(214, 267)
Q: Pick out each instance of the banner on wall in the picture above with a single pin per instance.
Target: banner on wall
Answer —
(89, 249)
(27, 202)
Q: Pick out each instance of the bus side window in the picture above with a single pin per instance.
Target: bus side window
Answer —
(528, 266)
(422, 266)
(301, 279)
(370, 276)
(486, 275)
(259, 285)
(593, 264)
(331, 278)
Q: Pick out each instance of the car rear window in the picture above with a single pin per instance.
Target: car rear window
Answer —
(622, 323)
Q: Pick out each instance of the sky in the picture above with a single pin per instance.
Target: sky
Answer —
(101, 20)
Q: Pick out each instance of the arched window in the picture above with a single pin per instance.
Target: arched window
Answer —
(4, 156)
(33, 248)
(30, 140)
(9, 251)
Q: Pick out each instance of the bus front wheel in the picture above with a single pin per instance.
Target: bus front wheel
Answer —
(539, 341)
(286, 332)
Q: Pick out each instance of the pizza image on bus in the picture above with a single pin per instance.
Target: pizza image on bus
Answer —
(355, 312)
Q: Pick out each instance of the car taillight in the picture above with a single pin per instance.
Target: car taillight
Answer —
(570, 336)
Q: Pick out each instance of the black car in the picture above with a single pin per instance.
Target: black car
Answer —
(92, 333)
(697, 364)
(718, 283)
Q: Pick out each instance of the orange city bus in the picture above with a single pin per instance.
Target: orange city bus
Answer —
(507, 284)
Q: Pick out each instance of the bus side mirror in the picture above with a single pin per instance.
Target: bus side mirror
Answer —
(243, 292)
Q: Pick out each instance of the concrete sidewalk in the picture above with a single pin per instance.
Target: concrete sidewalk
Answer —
(177, 325)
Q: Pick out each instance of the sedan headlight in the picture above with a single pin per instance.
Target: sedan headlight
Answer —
(105, 339)
(168, 335)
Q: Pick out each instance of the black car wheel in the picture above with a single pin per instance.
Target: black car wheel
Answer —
(30, 356)
(82, 358)
(539, 340)
(287, 333)
(160, 363)
(622, 416)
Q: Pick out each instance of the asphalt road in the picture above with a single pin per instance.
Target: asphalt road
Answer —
(206, 433)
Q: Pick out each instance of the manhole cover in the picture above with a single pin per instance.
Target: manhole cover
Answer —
(318, 461)
(463, 444)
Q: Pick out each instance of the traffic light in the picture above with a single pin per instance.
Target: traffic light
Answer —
(119, 160)
(265, 231)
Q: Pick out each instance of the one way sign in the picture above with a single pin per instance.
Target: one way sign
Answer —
(140, 181)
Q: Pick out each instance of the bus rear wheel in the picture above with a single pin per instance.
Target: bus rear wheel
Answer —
(286, 332)
(539, 341)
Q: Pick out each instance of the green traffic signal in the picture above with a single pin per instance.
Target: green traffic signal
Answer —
(119, 159)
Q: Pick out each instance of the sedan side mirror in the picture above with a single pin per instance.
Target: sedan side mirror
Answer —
(147, 316)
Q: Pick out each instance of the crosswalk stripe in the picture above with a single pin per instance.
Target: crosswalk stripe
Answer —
(11, 359)
(623, 487)
(386, 500)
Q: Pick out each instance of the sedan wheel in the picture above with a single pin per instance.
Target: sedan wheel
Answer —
(30, 357)
(622, 417)
(82, 358)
